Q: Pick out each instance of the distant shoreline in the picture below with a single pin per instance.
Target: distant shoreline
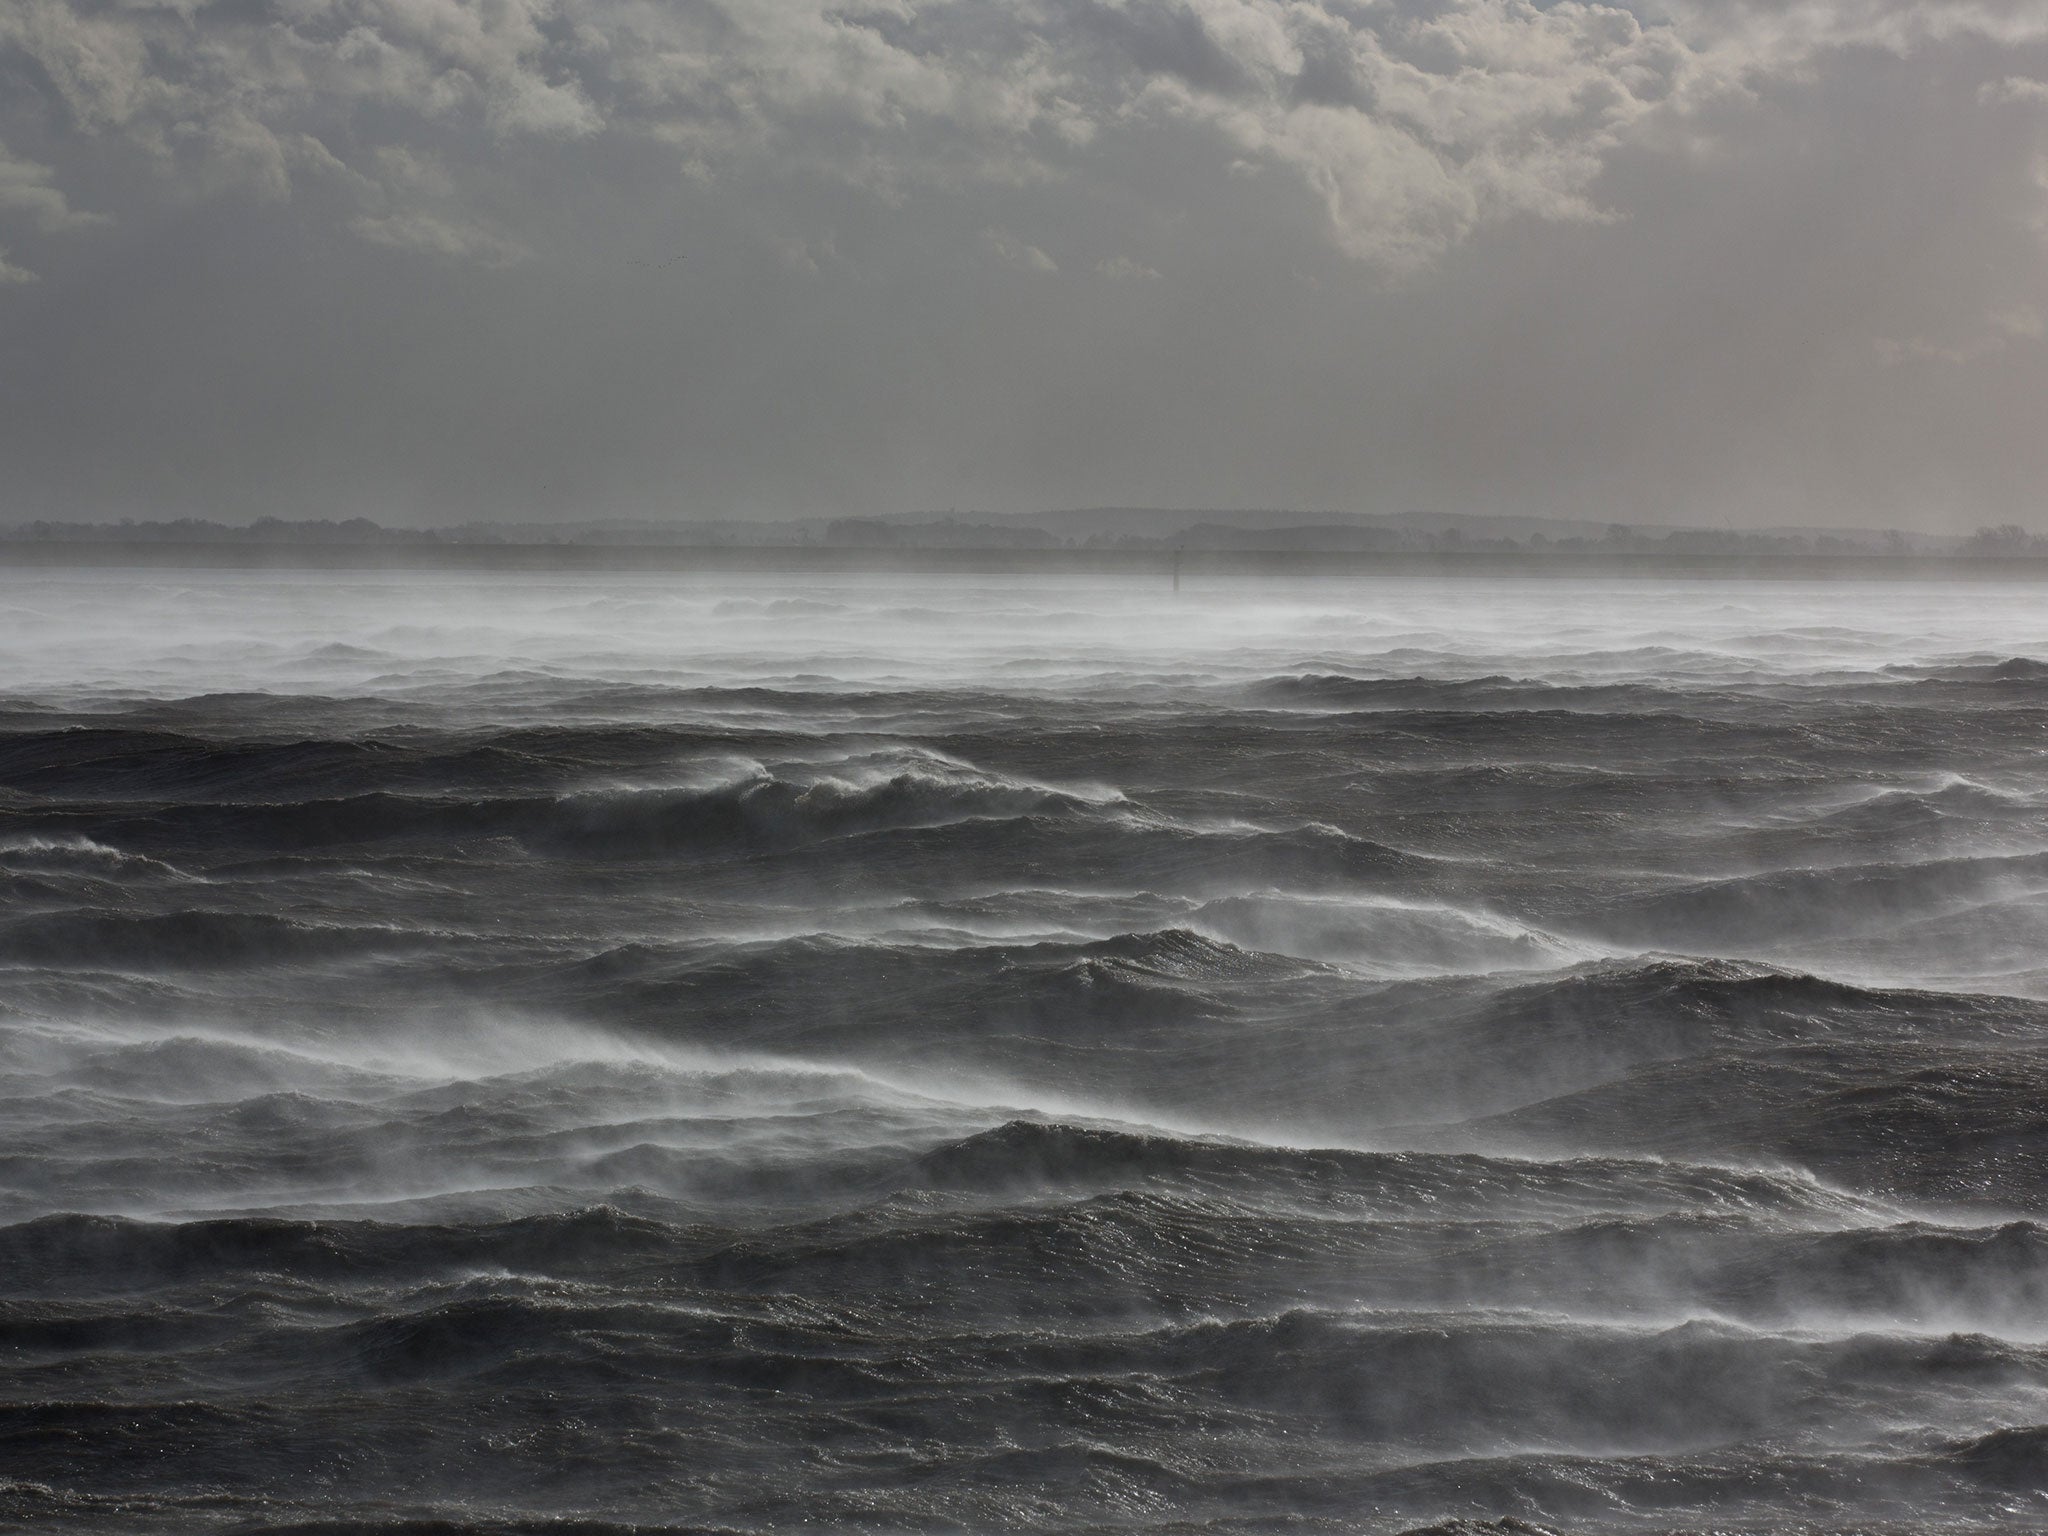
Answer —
(253, 555)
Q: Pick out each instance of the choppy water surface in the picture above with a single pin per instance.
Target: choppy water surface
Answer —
(967, 1056)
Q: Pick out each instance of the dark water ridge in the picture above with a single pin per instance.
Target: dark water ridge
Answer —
(634, 1056)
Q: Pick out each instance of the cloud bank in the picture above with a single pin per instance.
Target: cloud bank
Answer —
(1366, 157)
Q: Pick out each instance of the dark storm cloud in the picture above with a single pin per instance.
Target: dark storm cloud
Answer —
(426, 258)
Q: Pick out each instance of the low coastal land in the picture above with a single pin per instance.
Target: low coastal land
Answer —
(38, 554)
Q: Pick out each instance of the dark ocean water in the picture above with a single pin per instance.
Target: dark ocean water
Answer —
(951, 1056)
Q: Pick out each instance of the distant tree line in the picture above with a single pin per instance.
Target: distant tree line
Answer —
(952, 531)
(2005, 539)
(275, 530)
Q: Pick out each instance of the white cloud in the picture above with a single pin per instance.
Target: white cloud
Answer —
(28, 193)
(808, 258)
(432, 234)
(2001, 330)
(30, 198)
(414, 203)
(1124, 268)
(1412, 124)
(1012, 252)
(2013, 90)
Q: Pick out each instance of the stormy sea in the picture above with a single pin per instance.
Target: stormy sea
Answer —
(912, 1054)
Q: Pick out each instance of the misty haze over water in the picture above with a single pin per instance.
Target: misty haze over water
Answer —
(973, 1054)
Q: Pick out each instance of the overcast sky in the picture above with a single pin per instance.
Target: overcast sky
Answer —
(1712, 261)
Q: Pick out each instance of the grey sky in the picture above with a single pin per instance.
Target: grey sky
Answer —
(423, 260)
